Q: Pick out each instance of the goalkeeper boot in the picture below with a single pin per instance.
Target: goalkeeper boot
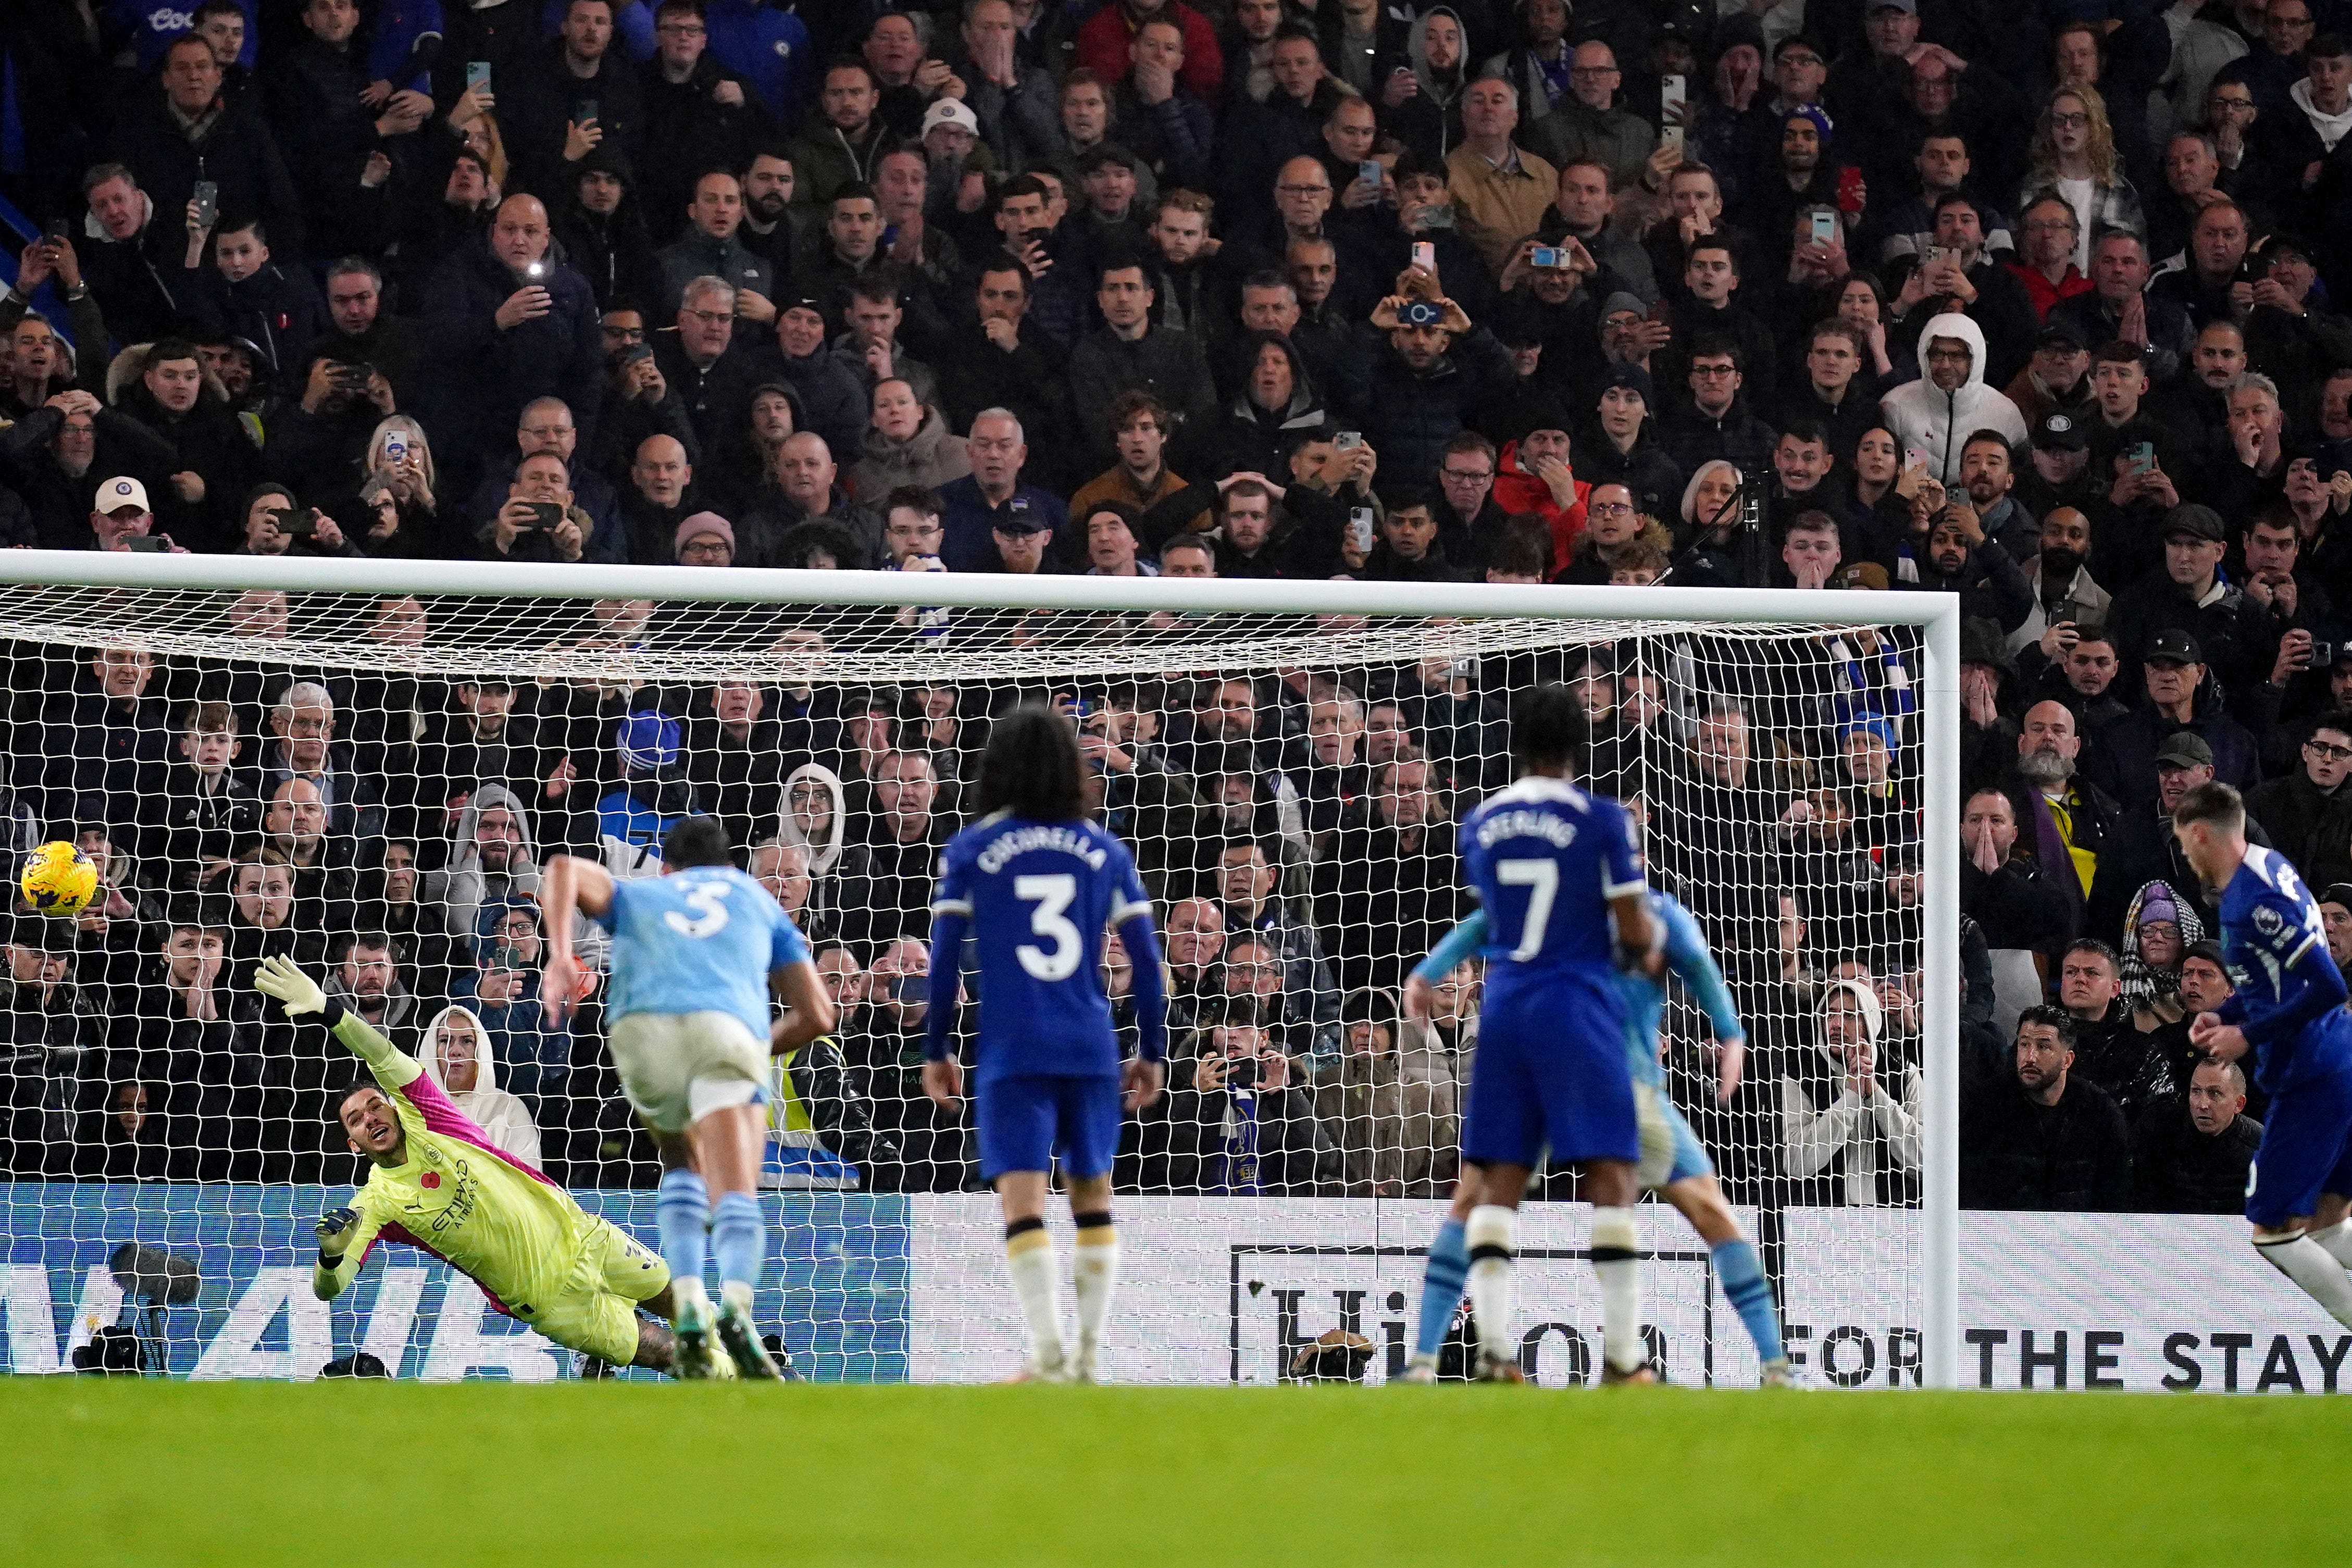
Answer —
(1496, 1369)
(696, 1333)
(741, 1336)
(785, 1369)
(591, 1367)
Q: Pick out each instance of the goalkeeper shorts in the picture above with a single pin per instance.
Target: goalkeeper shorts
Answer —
(678, 1067)
(597, 1312)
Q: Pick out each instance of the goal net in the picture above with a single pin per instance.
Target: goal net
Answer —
(366, 769)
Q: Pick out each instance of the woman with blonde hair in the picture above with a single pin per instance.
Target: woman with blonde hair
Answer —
(2074, 158)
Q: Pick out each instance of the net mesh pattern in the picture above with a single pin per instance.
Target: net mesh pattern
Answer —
(368, 783)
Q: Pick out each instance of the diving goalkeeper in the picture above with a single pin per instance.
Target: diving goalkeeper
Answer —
(440, 1186)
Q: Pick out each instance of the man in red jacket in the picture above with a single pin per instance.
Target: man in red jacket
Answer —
(1103, 43)
(1533, 475)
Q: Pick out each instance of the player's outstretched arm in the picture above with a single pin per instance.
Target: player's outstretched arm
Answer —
(1639, 950)
(1686, 954)
(571, 887)
(943, 1073)
(281, 978)
(801, 991)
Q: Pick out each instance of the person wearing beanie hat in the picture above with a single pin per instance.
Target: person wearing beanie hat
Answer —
(2157, 930)
(1850, 1120)
(705, 538)
(1619, 445)
(652, 793)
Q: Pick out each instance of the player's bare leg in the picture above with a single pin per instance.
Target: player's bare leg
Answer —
(1487, 1231)
(1443, 1275)
(1037, 1276)
(1094, 1269)
(1700, 1200)
(727, 1147)
(2316, 1269)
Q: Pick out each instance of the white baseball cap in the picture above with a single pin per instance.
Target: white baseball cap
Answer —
(122, 494)
(951, 111)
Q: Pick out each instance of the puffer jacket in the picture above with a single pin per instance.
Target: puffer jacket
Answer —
(930, 457)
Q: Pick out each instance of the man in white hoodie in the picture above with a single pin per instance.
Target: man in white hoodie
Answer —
(1939, 411)
(457, 1054)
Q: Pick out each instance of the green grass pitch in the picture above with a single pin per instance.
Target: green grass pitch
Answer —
(156, 1473)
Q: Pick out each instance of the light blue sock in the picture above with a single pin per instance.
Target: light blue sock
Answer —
(738, 1239)
(1441, 1286)
(1745, 1286)
(682, 1213)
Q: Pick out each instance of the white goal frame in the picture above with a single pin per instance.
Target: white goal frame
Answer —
(1936, 614)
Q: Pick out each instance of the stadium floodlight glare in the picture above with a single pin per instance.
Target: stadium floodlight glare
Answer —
(859, 630)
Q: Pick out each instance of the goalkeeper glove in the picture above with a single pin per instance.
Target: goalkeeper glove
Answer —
(334, 1229)
(279, 976)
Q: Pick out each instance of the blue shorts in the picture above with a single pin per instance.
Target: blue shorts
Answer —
(1671, 1152)
(1026, 1120)
(1550, 1069)
(2306, 1150)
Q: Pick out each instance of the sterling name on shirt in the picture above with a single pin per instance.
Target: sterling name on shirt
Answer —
(1503, 825)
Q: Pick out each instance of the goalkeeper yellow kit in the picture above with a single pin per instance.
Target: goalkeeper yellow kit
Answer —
(536, 1254)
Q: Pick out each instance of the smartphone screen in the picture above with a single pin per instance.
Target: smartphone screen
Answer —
(1367, 173)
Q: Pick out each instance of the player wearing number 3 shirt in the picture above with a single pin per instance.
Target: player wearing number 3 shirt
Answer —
(1036, 885)
(697, 952)
(2288, 1011)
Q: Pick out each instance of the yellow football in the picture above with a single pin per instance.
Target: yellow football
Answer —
(58, 880)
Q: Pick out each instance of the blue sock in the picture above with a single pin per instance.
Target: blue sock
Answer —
(738, 1239)
(1441, 1286)
(682, 1213)
(1745, 1285)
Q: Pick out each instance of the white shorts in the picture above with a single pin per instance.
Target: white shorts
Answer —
(678, 1067)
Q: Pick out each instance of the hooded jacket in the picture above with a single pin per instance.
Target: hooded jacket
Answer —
(504, 1120)
(1921, 414)
(1250, 439)
(461, 887)
(1429, 121)
(1839, 1147)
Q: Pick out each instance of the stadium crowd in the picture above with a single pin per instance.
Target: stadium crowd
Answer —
(2028, 303)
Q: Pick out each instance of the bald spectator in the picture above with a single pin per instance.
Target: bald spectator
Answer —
(2190, 1151)
(505, 323)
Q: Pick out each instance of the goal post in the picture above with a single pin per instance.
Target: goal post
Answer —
(1005, 633)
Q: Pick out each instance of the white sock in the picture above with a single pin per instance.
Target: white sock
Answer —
(1093, 1277)
(2337, 1239)
(1037, 1281)
(1488, 1236)
(2315, 1271)
(1615, 1242)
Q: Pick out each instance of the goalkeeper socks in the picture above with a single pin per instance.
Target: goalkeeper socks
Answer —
(1615, 1241)
(1093, 1277)
(682, 1214)
(2312, 1268)
(1750, 1295)
(738, 1240)
(1440, 1288)
(1036, 1280)
(1488, 1237)
(2337, 1239)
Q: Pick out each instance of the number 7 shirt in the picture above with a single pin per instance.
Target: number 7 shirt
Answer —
(1544, 858)
(1039, 897)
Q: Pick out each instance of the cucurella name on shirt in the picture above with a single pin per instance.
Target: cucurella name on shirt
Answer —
(1069, 840)
(1557, 831)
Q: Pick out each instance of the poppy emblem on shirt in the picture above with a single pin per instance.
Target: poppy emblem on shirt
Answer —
(284, 320)
(430, 1180)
